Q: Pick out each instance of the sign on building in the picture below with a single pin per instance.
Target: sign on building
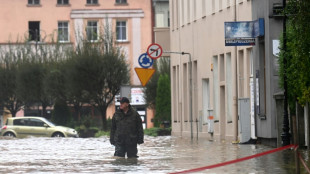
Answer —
(243, 33)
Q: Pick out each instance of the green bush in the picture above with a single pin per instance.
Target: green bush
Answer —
(156, 131)
(151, 131)
(163, 101)
(102, 133)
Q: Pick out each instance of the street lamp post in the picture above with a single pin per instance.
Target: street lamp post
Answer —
(190, 87)
(285, 134)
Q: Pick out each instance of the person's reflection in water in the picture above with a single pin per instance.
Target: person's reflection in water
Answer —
(119, 161)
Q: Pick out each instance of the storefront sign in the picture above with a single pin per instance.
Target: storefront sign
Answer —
(243, 33)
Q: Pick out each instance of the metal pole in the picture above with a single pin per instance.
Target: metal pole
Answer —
(285, 134)
(236, 86)
(295, 130)
(190, 86)
(190, 92)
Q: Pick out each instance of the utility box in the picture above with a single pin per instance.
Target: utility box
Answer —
(244, 114)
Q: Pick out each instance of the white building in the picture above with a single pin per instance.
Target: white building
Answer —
(220, 75)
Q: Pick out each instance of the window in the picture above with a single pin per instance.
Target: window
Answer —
(19, 122)
(168, 19)
(63, 31)
(92, 30)
(121, 1)
(160, 19)
(121, 33)
(62, 2)
(33, 2)
(92, 2)
(35, 122)
(34, 30)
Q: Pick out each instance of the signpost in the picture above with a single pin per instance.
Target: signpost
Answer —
(145, 61)
(154, 51)
(144, 74)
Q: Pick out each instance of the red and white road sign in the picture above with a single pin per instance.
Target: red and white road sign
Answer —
(154, 51)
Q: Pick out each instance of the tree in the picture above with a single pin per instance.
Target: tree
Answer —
(163, 100)
(297, 54)
(54, 82)
(99, 69)
(162, 66)
(8, 96)
(10, 58)
(78, 74)
(61, 114)
(30, 85)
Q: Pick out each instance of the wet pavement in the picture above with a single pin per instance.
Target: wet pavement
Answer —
(157, 155)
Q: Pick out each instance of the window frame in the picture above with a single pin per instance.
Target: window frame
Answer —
(91, 2)
(126, 31)
(63, 2)
(19, 122)
(33, 2)
(92, 27)
(33, 122)
(121, 2)
(32, 36)
(63, 28)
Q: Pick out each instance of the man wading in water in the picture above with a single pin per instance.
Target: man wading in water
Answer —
(126, 130)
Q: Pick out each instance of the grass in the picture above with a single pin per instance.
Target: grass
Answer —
(102, 133)
(156, 131)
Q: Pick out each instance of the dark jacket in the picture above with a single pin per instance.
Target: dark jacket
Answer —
(126, 128)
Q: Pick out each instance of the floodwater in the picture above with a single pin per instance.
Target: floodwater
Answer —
(164, 154)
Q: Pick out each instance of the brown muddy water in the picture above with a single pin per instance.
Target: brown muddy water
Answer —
(157, 155)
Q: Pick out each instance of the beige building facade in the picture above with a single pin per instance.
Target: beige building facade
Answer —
(205, 91)
(69, 21)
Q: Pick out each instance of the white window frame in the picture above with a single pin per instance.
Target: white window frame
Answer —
(63, 28)
(92, 28)
(121, 28)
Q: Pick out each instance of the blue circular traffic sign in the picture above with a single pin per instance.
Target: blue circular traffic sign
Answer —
(145, 61)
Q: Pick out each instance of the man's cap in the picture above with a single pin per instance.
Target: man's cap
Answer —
(124, 100)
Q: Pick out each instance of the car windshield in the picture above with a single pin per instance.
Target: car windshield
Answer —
(48, 122)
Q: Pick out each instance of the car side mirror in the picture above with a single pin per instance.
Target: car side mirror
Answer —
(45, 125)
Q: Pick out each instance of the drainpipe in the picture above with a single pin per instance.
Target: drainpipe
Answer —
(190, 87)
(190, 92)
(153, 3)
(236, 86)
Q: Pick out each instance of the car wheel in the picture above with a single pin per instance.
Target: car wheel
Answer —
(9, 134)
(58, 134)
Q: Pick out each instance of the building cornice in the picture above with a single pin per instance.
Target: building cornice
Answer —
(110, 13)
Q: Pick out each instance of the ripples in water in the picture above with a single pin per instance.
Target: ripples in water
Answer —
(157, 155)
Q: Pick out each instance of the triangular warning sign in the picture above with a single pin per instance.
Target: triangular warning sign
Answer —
(144, 74)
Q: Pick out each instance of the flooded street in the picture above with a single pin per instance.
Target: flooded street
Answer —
(157, 155)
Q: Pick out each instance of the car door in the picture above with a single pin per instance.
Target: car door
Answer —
(37, 128)
(21, 127)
